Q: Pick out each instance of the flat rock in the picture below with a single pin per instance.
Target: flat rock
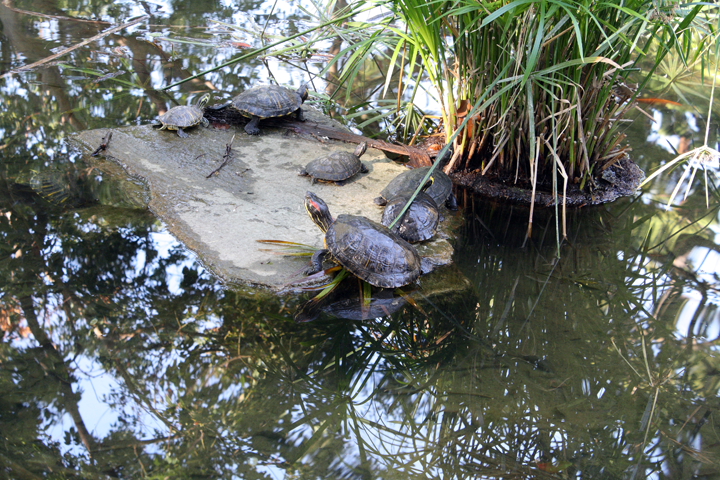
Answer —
(258, 195)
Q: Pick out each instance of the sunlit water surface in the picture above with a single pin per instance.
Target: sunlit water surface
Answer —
(123, 357)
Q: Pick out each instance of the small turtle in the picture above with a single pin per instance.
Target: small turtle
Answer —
(367, 249)
(336, 167)
(440, 190)
(269, 101)
(420, 221)
(185, 116)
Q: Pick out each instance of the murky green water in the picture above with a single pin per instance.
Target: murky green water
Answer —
(122, 357)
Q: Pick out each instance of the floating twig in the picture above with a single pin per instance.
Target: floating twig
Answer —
(103, 144)
(75, 47)
(226, 158)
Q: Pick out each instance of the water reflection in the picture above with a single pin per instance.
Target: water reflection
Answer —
(146, 364)
(123, 357)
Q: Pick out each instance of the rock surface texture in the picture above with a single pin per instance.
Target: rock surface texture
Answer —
(257, 195)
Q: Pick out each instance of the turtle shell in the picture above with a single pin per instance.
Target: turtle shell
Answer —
(268, 101)
(420, 220)
(337, 166)
(184, 116)
(372, 252)
(440, 190)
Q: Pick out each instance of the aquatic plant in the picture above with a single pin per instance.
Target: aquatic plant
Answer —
(530, 92)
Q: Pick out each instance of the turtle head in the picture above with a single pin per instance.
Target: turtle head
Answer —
(318, 211)
(361, 149)
(303, 92)
(202, 101)
(428, 184)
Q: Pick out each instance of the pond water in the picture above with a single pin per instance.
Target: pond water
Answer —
(123, 357)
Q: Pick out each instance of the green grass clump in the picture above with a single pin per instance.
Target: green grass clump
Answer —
(529, 90)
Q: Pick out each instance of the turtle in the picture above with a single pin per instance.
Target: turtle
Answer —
(185, 116)
(420, 221)
(336, 167)
(269, 101)
(367, 249)
(440, 190)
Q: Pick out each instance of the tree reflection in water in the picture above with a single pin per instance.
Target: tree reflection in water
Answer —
(572, 362)
(124, 358)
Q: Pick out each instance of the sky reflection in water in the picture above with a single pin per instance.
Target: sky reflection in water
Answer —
(601, 362)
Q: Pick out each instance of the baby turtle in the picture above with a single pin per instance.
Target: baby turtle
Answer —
(440, 190)
(185, 116)
(367, 249)
(336, 167)
(420, 221)
(269, 101)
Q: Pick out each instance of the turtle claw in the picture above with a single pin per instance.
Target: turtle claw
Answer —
(316, 262)
(181, 133)
(252, 128)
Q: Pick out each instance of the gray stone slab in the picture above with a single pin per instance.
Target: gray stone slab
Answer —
(258, 195)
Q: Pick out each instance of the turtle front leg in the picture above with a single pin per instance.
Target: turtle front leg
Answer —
(181, 133)
(316, 262)
(299, 114)
(253, 126)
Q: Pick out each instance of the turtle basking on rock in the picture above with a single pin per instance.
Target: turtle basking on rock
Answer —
(337, 166)
(440, 190)
(268, 101)
(367, 249)
(420, 220)
(185, 116)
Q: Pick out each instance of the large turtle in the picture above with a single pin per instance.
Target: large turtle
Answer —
(367, 249)
(269, 101)
(440, 190)
(185, 116)
(336, 167)
(420, 221)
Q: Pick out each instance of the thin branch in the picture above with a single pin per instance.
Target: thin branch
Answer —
(104, 143)
(229, 155)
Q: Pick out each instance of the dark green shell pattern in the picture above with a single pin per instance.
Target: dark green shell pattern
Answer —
(337, 166)
(372, 252)
(184, 116)
(440, 190)
(268, 101)
(420, 220)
